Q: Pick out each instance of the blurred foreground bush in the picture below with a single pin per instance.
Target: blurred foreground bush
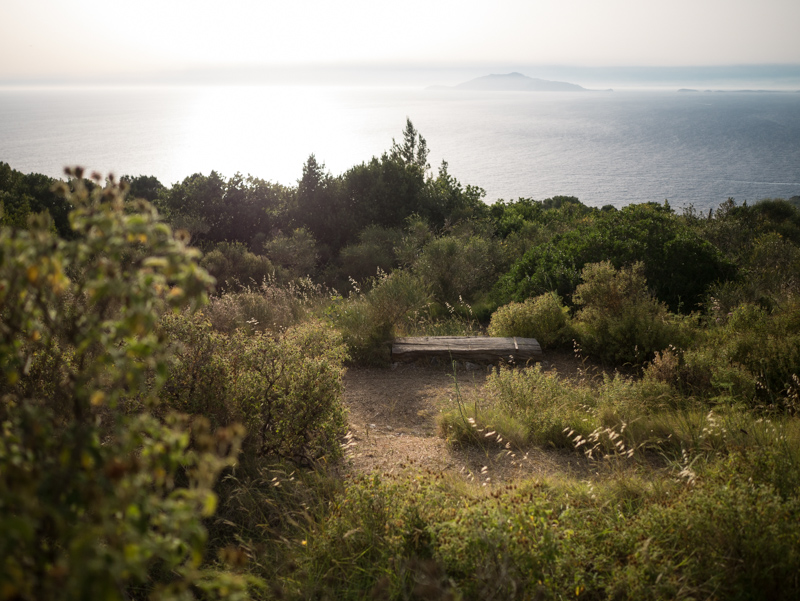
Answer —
(98, 498)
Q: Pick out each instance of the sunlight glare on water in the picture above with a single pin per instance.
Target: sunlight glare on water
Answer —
(259, 131)
(606, 148)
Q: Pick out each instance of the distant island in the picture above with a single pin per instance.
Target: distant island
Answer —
(514, 82)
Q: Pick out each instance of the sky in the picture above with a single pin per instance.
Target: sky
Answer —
(178, 41)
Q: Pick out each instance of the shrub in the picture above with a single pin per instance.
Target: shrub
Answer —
(544, 402)
(368, 321)
(544, 318)
(287, 390)
(296, 254)
(98, 498)
(619, 321)
(457, 267)
(374, 252)
(285, 387)
(765, 345)
(198, 381)
(266, 306)
(679, 265)
(742, 540)
(232, 265)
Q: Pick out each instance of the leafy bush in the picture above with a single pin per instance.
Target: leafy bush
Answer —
(266, 306)
(544, 318)
(407, 537)
(296, 254)
(619, 321)
(287, 390)
(457, 267)
(768, 277)
(678, 263)
(98, 498)
(374, 252)
(285, 387)
(741, 539)
(759, 347)
(368, 321)
(198, 382)
(233, 265)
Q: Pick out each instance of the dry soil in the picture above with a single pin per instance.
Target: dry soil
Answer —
(393, 424)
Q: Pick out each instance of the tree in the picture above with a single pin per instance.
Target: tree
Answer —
(414, 150)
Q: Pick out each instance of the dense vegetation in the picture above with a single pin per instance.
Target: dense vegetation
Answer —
(168, 436)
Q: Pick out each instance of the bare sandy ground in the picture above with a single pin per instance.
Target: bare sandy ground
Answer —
(392, 414)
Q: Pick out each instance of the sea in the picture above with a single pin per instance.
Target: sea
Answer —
(692, 148)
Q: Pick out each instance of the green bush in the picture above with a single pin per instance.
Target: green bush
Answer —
(368, 321)
(287, 390)
(198, 382)
(678, 263)
(296, 254)
(98, 499)
(456, 267)
(285, 387)
(756, 354)
(544, 318)
(619, 321)
(266, 306)
(373, 253)
(233, 266)
(409, 537)
(727, 541)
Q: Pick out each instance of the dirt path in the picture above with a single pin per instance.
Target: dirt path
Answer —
(393, 425)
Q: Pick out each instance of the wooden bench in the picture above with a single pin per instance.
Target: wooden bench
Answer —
(477, 349)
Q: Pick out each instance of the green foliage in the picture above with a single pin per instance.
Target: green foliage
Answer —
(233, 266)
(722, 527)
(83, 518)
(198, 382)
(679, 265)
(285, 386)
(287, 390)
(143, 186)
(97, 498)
(213, 209)
(373, 253)
(296, 254)
(269, 306)
(23, 195)
(456, 267)
(754, 356)
(768, 276)
(368, 321)
(619, 321)
(544, 318)
(547, 406)
(626, 535)
(406, 537)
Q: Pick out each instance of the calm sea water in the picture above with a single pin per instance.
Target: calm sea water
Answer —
(604, 147)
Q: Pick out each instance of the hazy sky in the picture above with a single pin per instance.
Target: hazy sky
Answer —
(84, 39)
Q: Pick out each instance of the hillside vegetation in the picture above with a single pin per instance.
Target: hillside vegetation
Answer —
(172, 416)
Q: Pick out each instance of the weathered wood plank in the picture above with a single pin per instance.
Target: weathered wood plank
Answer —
(466, 348)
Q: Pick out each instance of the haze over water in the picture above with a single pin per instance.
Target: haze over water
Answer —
(603, 147)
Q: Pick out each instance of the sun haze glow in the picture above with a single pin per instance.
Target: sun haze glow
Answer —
(50, 39)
